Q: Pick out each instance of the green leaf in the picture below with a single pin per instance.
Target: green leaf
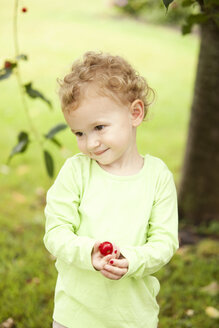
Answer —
(22, 56)
(6, 72)
(167, 3)
(210, 3)
(187, 3)
(192, 20)
(49, 163)
(23, 141)
(186, 29)
(56, 142)
(197, 19)
(55, 130)
(36, 94)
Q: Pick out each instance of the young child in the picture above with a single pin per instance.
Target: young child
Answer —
(109, 192)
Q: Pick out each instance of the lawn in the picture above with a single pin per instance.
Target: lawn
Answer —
(53, 34)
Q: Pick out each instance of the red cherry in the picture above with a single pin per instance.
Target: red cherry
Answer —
(7, 64)
(24, 10)
(106, 248)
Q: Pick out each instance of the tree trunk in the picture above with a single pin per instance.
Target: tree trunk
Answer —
(199, 187)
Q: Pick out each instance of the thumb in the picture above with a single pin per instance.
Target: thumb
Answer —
(107, 258)
(116, 251)
(96, 246)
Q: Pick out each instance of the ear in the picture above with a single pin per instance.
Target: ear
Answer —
(137, 112)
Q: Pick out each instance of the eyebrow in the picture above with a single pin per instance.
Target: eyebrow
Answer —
(95, 123)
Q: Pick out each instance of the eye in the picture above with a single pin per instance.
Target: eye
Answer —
(100, 127)
(78, 134)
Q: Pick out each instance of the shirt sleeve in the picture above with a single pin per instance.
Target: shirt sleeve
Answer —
(63, 220)
(162, 237)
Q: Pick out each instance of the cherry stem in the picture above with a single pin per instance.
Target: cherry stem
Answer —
(18, 75)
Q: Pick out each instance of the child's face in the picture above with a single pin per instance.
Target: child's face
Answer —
(104, 129)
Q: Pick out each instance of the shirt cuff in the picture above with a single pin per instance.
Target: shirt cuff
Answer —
(130, 256)
(87, 245)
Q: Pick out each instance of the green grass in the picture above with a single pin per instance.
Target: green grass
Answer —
(53, 34)
(182, 281)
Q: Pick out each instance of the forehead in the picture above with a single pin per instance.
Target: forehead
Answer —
(94, 108)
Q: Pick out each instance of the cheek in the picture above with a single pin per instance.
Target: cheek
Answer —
(123, 137)
(110, 140)
(81, 144)
(116, 138)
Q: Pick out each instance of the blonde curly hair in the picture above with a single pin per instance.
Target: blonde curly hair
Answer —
(114, 76)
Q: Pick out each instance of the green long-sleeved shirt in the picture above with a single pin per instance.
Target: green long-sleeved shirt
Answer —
(138, 213)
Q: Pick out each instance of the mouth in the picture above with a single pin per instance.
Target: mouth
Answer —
(100, 152)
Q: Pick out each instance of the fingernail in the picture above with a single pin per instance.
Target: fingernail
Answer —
(115, 251)
(111, 262)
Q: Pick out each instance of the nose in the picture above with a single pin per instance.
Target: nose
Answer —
(92, 142)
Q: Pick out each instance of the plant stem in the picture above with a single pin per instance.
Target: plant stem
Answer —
(18, 76)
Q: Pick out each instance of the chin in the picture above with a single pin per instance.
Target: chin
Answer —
(102, 162)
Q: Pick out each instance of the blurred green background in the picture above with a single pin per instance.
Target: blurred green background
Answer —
(53, 34)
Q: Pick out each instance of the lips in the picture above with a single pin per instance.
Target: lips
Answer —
(100, 152)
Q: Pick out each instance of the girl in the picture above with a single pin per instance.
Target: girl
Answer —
(109, 192)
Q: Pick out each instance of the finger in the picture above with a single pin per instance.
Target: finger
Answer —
(116, 251)
(100, 261)
(121, 263)
(106, 259)
(109, 275)
(115, 270)
(96, 246)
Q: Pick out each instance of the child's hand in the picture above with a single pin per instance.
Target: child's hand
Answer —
(98, 260)
(117, 269)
